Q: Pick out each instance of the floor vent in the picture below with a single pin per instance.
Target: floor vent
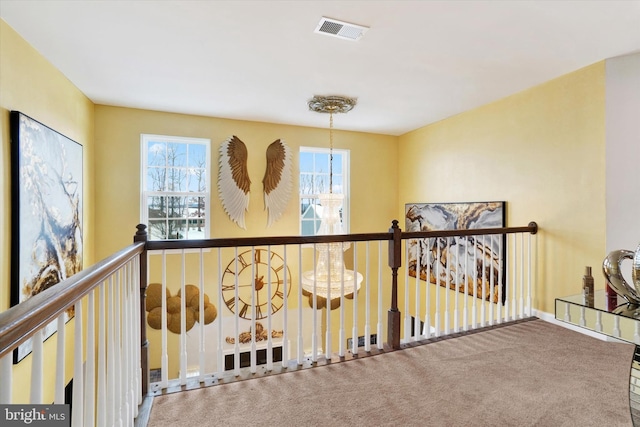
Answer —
(340, 29)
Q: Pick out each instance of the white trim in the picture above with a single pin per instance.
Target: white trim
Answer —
(548, 317)
(346, 183)
(144, 140)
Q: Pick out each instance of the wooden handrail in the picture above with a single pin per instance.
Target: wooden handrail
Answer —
(297, 240)
(394, 236)
(531, 228)
(21, 321)
(263, 241)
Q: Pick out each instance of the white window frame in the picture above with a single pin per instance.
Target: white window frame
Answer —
(145, 139)
(346, 184)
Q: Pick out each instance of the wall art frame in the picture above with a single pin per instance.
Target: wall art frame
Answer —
(478, 260)
(46, 212)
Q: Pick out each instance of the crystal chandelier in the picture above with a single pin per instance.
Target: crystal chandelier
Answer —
(330, 279)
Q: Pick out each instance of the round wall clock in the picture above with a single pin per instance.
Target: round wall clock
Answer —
(250, 273)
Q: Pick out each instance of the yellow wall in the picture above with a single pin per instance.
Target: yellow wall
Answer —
(543, 152)
(30, 84)
(373, 172)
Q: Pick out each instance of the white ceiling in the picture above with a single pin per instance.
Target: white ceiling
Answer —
(420, 61)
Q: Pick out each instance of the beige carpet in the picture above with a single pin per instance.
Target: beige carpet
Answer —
(528, 374)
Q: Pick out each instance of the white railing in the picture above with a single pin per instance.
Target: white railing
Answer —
(97, 317)
(232, 308)
(294, 327)
(298, 327)
(467, 282)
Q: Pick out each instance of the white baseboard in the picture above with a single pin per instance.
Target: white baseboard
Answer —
(551, 318)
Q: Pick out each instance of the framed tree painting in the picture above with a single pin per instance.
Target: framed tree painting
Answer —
(474, 265)
(46, 212)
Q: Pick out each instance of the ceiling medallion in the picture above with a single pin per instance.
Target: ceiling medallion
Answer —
(331, 104)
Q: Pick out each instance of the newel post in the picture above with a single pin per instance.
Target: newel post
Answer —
(395, 260)
(141, 236)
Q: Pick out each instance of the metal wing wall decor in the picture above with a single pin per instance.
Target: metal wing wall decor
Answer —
(277, 180)
(233, 179)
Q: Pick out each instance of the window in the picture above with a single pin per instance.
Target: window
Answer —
(175, 187)
(314, 180)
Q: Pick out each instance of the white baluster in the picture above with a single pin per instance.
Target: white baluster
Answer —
(6, 373)
(483, 312)
(355, 298)
(285, 310)
(183, 321)
(253, 311)
(236, 317)
(416, 319)
(636, 334)
(567, 313)
(427, 314)
(521, 313)
(111, 408)
(500, 276)
(474, 305)
(437, 314)
(582, 319)
(117, 351)
(60, 362)
(367, 327)
(138, 330)
(328, 338)
(465, 316)
(201, 336)
(456, 313)
(127, 354)
(101, 395)
(90, 367)
(314, 333)
(133, 343)
(300, 340)
(448, 291)
(514, 269)
(507, 273)
(36, 368)
(220, 345)
(343, 331)
(529, 283)
(407, 318)
(269, 325)
(379, 329)
(77, 416)
(492, 283)
(164, 370)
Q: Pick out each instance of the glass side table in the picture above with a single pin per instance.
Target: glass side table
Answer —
(613, 317)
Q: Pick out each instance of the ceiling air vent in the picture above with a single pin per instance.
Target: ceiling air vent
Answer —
(340, 29)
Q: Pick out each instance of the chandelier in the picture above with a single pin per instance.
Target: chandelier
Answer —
(330, 279)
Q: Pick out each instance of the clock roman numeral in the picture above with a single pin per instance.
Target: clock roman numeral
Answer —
(231, 302)
(259, 312)
(243, 310)
(242, 261)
